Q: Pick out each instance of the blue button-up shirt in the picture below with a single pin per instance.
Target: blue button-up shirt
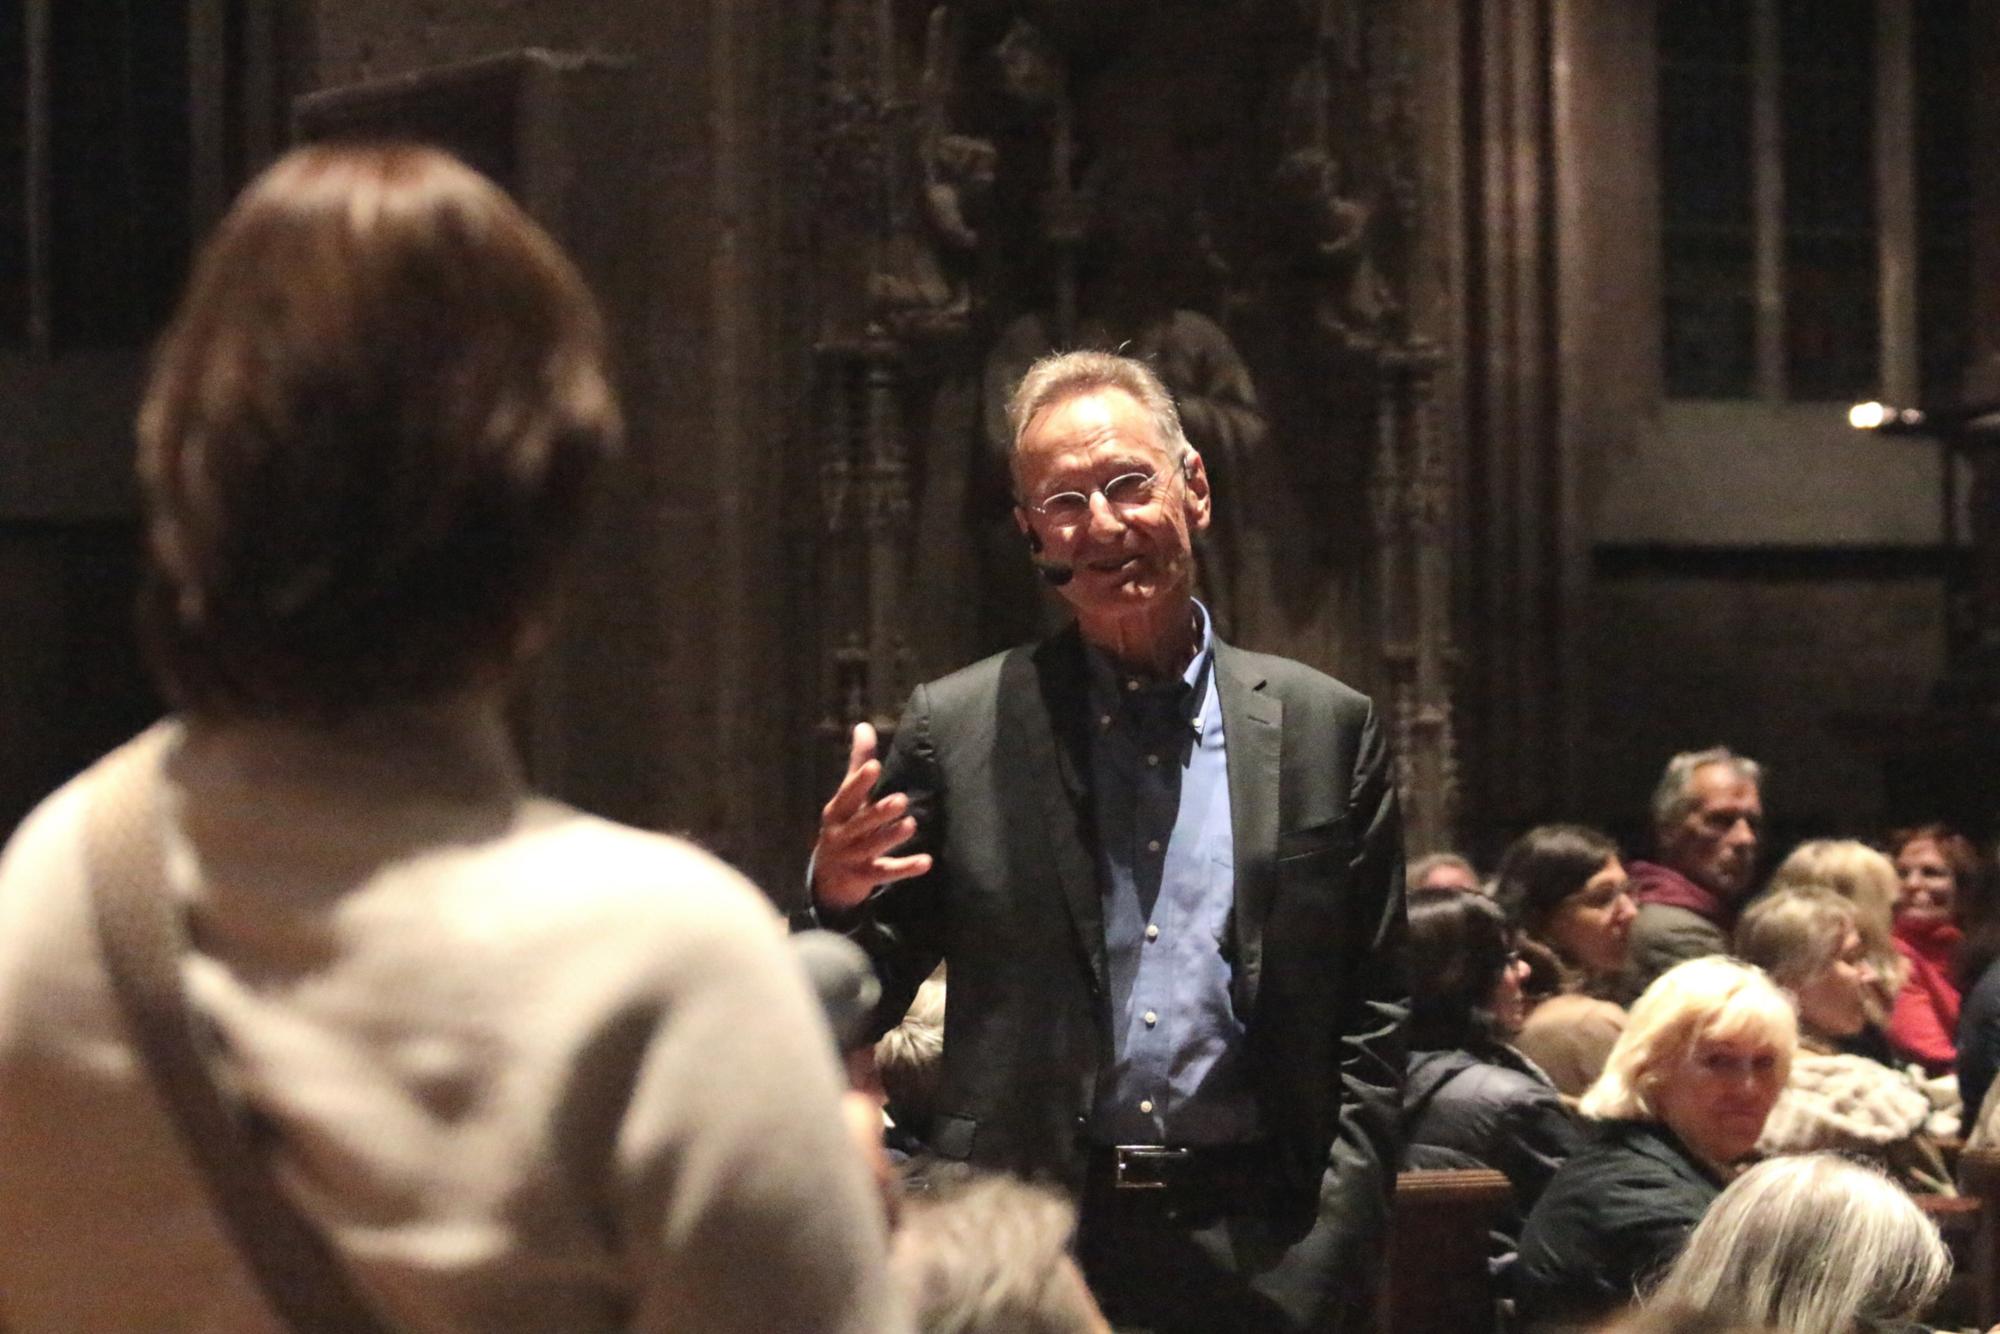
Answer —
(1166, 864)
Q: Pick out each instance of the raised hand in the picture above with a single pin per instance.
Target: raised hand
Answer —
(856, 834)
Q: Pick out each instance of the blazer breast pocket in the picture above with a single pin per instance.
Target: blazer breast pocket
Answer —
(1330, 842)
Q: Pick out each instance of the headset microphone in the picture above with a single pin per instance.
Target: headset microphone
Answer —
(1054, 575)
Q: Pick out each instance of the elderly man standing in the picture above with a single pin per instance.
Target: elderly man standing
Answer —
(1166, 874)
(1708, 814)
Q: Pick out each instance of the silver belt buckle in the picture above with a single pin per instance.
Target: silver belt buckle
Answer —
(1143, 1166)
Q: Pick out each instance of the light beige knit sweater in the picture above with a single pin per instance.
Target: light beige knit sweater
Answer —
(533, 1071)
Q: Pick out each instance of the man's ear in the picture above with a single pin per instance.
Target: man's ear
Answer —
(1194, 477)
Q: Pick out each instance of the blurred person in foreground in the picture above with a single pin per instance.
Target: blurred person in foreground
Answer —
(1811, 1244)
(1680, 1104)
(1567, 894)
(990, 1255)
(522, 1068)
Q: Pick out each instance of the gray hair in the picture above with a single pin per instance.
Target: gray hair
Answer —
(1061, 375)
(991, 1256)
(1433, 861)
(1673, 798)
(1811, 1243)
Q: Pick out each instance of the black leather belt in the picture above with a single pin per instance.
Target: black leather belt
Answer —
(1222, 1169)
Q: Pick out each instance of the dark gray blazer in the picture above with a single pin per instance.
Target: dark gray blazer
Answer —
(995, 759)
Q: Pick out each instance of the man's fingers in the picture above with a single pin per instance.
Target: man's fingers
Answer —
(849, 796)
(861, 749)
(901, 868)
(876, 841)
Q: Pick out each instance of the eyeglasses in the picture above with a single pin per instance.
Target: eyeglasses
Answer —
(1127, 491)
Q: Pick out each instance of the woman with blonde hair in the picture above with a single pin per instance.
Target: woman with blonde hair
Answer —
(1682, 1100)
(1868, 880)
(1809, 940)
(1812, 1244)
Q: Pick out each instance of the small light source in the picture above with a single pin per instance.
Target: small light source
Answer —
(1867, 416)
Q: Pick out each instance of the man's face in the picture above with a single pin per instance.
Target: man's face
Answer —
(1715, 843)
(1126, 558)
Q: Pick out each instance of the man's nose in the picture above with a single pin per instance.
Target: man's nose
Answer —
(1103, 515)
(1742, 831)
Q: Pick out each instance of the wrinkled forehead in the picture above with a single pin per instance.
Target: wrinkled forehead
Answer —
(1719, 785)
(1086, 432)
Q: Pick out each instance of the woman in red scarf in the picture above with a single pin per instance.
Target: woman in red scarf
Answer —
(1940, 877)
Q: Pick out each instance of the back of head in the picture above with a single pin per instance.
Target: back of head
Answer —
(1812, 1244)
(1457, 949)
(991, 1256)
(1447, 869)
(366, 440)
(1713, 997)
(909, 1058)
(1851, 869)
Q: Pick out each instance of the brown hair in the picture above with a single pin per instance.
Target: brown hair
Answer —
(365, 445)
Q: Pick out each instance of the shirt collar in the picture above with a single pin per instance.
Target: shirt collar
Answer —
(1113, 690)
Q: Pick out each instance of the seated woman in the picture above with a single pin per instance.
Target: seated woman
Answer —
(1564, 889)
(1809, 941)
(1941, 882)
(1469, 1095)
(1866, 879)
(1682, 1099)
(1810, 1245)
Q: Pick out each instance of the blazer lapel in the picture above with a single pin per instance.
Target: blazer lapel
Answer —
(1252, 731)
(1042, 707)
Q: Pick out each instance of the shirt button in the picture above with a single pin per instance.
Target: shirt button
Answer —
(1152, 931)
(1153, 760)
(1146, 1106)
(1131, 683)
(1151, 1018)
(1104, 720)
(1152, 845)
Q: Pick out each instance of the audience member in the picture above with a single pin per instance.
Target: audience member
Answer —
(1708, 814)
(1811, 1245)
(991, 1255)
(1809, 941)
(909, 1060)
(1468, 1092)
(1682, 1099)
(1443, 870)
(1942, 885)
(1563, 886)
(516, 1067)
(1978, 1037)
(1866, 879)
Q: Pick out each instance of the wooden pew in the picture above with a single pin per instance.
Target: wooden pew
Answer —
(1975, 1237)
(1436, 1280)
